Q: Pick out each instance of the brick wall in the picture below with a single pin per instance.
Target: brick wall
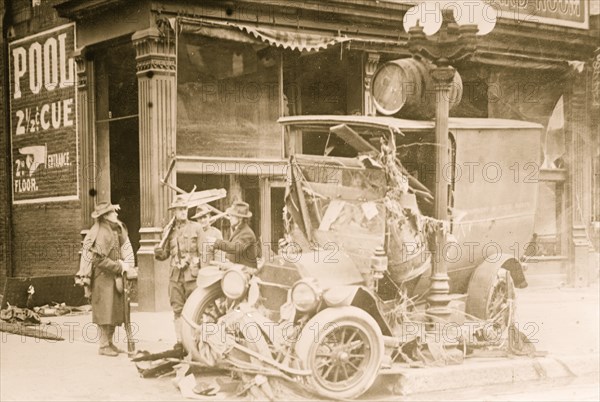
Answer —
(4, 206)
(45, 236)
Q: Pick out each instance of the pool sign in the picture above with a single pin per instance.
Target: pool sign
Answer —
(43, 117)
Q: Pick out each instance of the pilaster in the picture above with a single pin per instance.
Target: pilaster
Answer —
(157, 96)
(371, 62)
(578, 185)
(85, 127)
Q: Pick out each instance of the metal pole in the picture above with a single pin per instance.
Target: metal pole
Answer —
(439, 289)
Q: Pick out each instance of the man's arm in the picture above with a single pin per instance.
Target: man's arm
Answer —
(104, 263)
(244, 241)
(164, 252)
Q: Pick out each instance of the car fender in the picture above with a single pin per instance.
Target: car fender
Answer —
(508, 262)
(208, 276)
(358, 296)
(340, 295)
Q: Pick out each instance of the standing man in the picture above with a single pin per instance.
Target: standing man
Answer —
(105, 247)
(184, 246)
(202, 216)
(242, 247)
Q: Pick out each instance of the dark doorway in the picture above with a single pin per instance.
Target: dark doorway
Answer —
(117, 113)
(251, 195)
(277, 226)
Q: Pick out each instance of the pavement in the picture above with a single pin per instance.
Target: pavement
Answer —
(562, 321)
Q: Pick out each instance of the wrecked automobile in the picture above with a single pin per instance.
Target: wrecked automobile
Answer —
(331, 310)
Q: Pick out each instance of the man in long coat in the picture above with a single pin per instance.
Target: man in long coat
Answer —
(242, 247)
(104, 247)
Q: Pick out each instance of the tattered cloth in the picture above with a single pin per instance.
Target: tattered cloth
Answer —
(90, 245)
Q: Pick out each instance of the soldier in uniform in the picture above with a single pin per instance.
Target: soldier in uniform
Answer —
(202, 216)
(184, 246)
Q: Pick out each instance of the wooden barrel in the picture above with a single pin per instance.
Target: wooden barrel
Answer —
(404, 88)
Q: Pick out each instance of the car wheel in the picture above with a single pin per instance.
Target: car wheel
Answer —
(205, 305)
(489, 292)
(343, 348)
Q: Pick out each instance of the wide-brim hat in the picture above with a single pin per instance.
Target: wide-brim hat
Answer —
(240, 209)
(104, 208)
(178, 203)
(201, 210)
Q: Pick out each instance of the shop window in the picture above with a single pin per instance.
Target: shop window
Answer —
(326, 82)
(227, 98)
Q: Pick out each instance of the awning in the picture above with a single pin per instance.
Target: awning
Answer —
(304, 42)
(286, 39)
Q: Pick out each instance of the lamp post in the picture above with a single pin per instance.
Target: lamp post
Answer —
(450, 44)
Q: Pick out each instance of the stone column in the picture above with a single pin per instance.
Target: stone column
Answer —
(370, 66)
(85, 127)
(157, 97)
(578, 185)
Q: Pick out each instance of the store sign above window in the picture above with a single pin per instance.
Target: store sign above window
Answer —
(567, 13)
(43, 117)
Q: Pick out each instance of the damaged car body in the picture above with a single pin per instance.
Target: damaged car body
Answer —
(346, 297)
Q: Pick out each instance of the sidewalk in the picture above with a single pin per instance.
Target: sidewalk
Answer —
(564, 322)
(561, 321)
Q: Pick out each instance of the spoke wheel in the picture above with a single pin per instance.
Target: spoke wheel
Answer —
(343, 348)
(205, 305)
(488, 296)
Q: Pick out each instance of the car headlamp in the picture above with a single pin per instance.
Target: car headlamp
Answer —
(234, 283)
(306, 295)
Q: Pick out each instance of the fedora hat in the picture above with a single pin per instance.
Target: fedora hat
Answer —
(201, 210)
(178, 202)
(240, 209)
(104, 208)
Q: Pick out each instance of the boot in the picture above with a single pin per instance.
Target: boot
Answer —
(178, 328)
(106, 334)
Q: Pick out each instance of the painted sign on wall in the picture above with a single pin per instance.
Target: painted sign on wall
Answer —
(568, 13)
(44, 117)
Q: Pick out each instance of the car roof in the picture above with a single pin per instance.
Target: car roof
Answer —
(404, 124)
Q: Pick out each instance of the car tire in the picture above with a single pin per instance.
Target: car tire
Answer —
(343, 348)
(203, 305)
(489, 290)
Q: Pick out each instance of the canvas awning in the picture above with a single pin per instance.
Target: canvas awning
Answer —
(304, 42)
(300, 40)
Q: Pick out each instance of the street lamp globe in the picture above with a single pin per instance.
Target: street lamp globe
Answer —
(428, 15)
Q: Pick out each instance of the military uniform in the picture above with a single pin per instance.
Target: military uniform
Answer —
(184, 246)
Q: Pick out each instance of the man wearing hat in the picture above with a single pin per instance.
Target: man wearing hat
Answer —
(184, 246)
(106, 255)
(203, 217)
(242, 247)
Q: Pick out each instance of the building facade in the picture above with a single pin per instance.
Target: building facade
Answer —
(103, 96)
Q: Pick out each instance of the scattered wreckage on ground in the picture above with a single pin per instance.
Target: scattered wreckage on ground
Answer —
(346, 297)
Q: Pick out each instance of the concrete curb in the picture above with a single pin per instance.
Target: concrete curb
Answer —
(478, 372)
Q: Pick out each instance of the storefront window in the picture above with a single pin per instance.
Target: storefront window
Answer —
(227, 98)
